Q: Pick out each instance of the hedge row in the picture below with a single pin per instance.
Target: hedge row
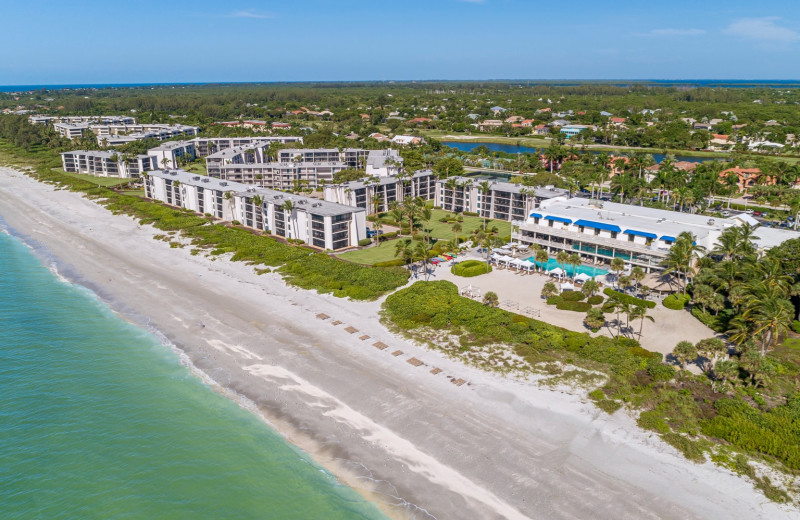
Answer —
(573, 296)
(470, 268)
(594, 300)
(567, 305)
(627, 298)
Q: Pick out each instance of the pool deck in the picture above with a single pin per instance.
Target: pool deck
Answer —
(518, 292)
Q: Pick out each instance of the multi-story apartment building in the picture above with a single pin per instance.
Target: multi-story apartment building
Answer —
(44, 120)
(373, 193)
(321, 224)
(106, 163)
(172, 153)
(208, 145)
(376, 162)
(71, 130)
(502, 200)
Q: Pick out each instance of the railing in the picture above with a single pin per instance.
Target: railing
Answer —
(571, 235)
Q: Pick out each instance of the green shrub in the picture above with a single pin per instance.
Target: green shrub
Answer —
(365, 241)
(676, 301)
(796, 326)
(627, 298)
(405, 230)
(573, 296)
(554, 300)
(567, 305)
(594, 300)
(470, 213)
(388, 236)
(470, 268)
(661, 372)
(652, 420)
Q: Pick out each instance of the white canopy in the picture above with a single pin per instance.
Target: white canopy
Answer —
(518, 262)
(557, 271)
(567, 287)
(528, 264)
(582, 277)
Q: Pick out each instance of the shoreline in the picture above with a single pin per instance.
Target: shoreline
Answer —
(492, 448)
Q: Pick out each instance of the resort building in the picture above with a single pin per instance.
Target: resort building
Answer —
(377, 193)
(747, 177)
(573, 130)
(274, 175)
(502, 200)
(321, 224)
(106, 163)
(376, 162)
(116, 134)
(600, 231)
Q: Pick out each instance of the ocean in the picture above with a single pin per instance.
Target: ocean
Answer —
(100, 419)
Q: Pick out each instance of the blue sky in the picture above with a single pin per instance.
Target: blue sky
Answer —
(88, 41)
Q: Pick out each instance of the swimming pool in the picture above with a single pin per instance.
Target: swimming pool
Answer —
(585, 269)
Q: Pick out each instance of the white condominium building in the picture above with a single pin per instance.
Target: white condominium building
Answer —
(38, 119)
(208, 145)
(373, 193)
(500, 200)
(601, 231)
(172, 153)
(376, 162)
(106, 163)
(321, 224)
(71, 130)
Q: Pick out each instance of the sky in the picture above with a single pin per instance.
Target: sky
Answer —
(143, 41)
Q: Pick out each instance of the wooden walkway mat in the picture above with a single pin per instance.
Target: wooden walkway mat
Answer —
(335, 323)
(322, 316)
(365, 336)
(397, 353)
(414, 361)
(436, 371)
(380, 345)
(458, 382)
(351, 329)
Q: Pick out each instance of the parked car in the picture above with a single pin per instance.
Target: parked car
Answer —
(756, 213)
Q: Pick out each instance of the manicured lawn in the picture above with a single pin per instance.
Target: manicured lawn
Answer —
(444, 230)
(196, 167)
(135, 193)
(372, 255)
(102, 181)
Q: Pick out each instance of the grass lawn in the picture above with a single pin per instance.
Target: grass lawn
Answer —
(197, 167)
(372, 255)
(135, 193)
(444, 230)
(102, 181)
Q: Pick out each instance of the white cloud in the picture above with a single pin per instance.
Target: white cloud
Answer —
(762, 29)
(673, 32)
(249, 13)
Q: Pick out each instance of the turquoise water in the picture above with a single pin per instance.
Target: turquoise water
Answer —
(585, 269)
(100, 420)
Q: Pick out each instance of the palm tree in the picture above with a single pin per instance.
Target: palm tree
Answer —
(456, 228)
(542, 257)
(618, 306)
(377, 202)
(726, 371)
(257, 201)
(618, 266)
(490, 299)
(637, 275)
(562, 257)
(378, 226)
(423, 252)
(165, 162)
(404, 249)
(639, 312)
(590, 288)
(681, 257)
(574, 260)
(595, 319)
(684, 352)
(770, 318)
(288, 206)
(711, 349)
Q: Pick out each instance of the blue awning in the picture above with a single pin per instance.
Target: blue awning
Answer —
(640, 233)
(536, 215)
(558, 219)
(667, 238)
(597, 225)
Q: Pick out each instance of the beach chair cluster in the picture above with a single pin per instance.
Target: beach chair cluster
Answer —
(441, 259)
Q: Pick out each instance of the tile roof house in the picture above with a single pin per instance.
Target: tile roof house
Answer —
(748, 177)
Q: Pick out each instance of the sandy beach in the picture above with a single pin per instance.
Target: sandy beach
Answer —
(412, 440)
